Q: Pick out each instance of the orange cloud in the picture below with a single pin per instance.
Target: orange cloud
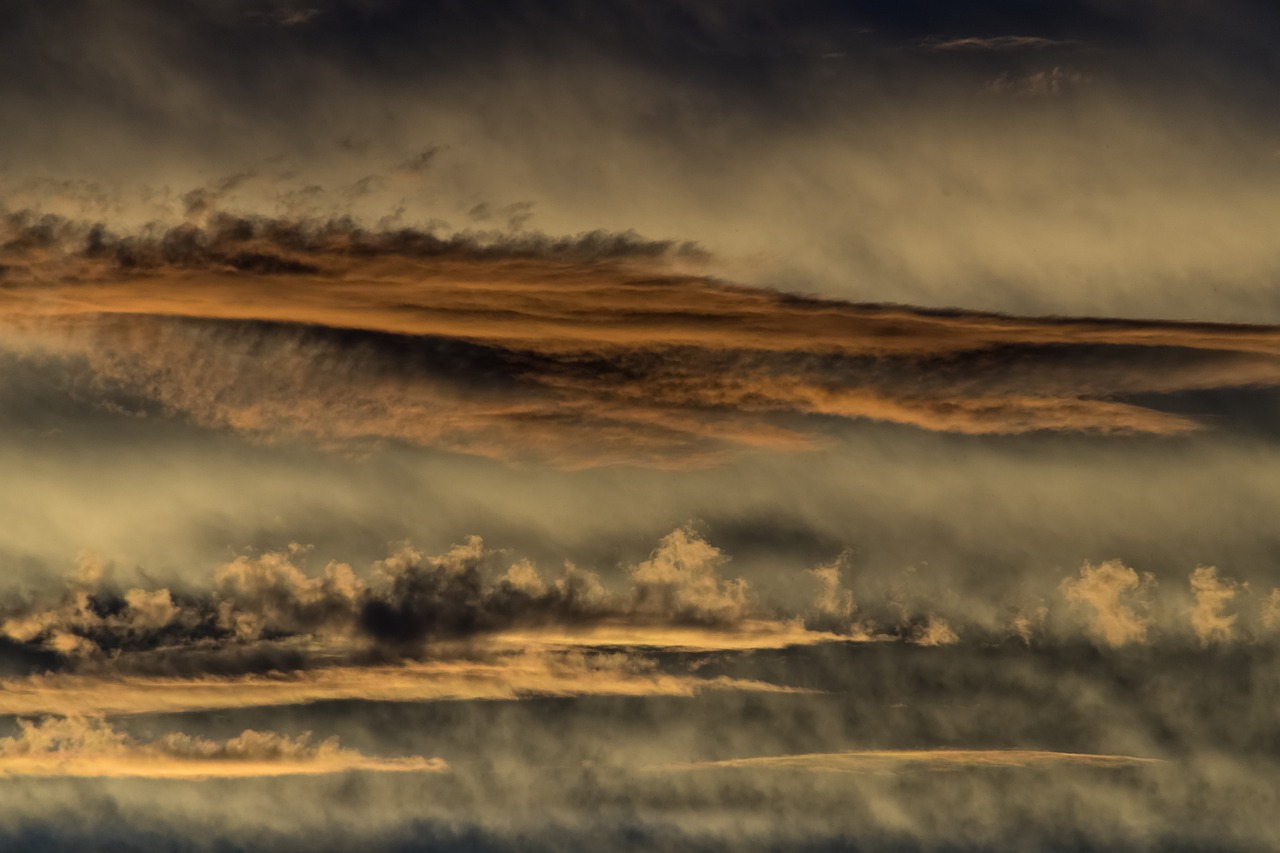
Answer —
(1115, 593)
(891, 760)
(506, 678)
(1213, 595)
(80, 747)
(577, 353)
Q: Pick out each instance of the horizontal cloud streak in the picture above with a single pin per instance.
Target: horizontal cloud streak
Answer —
(576, 352)
(267, 614)
(507, 678)
(890, 760)
(78, 747)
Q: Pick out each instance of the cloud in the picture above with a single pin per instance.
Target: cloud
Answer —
(1116, 594)
(1042, 211)
(270, 595)
(934, 632)
(417, 599)
(1271, 611)
(834, 601)
(507, 677)
(681, 582)
(267, 612)
(897, 760)
(748, 635)
(998, 43)
(577, 352)
(88, 747)
(91, 619)
(1047, 83)
(1213, 595)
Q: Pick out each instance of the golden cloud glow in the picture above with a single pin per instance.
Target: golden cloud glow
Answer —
(606, 367)
(507, 679)
(744, 636)
(77, 747)
(890, 760)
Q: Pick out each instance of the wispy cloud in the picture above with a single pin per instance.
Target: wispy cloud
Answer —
(508, 677)
(1118, 599)
(1213, 596)
(998, 43)
(894, 760)
(1044, 83)
(267, 613)
(591, 350)
(88, 747)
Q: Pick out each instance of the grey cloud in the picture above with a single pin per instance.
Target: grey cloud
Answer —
(267, 612)
(796, 172)
(996, 43)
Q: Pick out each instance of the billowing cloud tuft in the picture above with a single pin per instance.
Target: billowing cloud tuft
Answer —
(834, 602)
(1271, 611)
(578, 352)
(270, 595)
(681, 582)
(934, 632)
(89, 747)
(1118, 598)
(1213, 595)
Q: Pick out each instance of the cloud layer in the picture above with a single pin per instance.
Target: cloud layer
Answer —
(579, 352)
(871, 411)
(79, 747)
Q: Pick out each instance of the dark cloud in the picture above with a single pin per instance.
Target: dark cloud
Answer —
(810, 145)
(276, 271)
(267, 613)
(594, 758)
(595, 350)
(260, 605)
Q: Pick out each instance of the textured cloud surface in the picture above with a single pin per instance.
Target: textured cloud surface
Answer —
(74, 747)
(639, 424)
(579, 352)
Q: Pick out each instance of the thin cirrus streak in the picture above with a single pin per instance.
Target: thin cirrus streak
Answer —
(576, 355)
(748, 635)
(510, 678)
(91, 748)
(889, 760)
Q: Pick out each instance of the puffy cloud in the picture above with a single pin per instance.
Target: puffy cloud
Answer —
(1117, 596)
(681, 581)
(267, 612)
(415, 599)
(834, 600)
(1213, 595)
(271, 595)
(1271, 611)
(934, 632)
(91, 618)
(1024, 626)
(89, 747)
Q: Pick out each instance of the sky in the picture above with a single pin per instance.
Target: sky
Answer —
(558, 425)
